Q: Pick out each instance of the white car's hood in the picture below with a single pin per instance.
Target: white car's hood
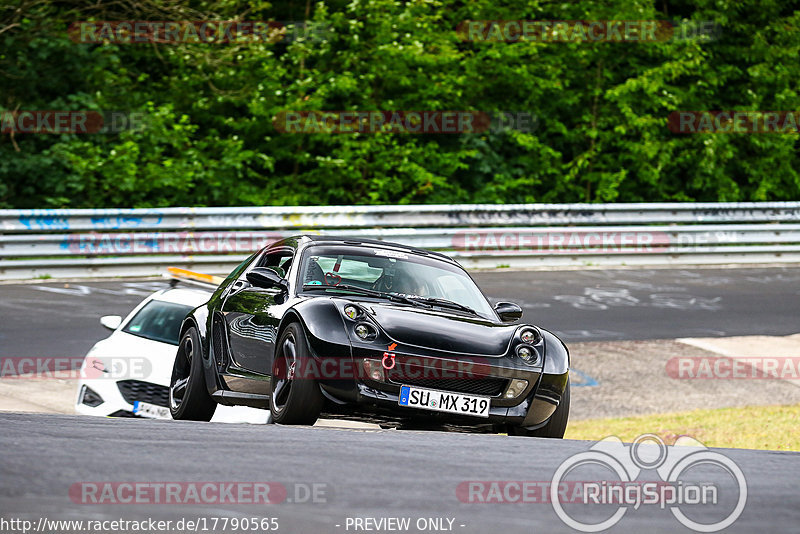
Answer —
(126, 356)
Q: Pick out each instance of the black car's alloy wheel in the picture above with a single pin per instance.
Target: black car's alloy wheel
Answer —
(188, 395)
(296, 399)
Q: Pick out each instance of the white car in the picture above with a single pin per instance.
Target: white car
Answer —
(128, 373)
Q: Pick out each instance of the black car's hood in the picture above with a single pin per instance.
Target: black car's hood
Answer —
(433, 329)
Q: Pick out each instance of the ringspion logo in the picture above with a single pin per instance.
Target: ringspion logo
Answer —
(695, 480)
(591, 491)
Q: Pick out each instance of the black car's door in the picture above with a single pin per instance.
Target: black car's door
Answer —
(252, 315)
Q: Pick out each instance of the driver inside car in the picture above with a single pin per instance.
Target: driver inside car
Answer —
(404, 283)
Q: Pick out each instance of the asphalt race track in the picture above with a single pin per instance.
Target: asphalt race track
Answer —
(381, 474)
(365, 474)
(49, 319)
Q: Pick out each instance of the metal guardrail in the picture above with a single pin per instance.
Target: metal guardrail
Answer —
(134, 242)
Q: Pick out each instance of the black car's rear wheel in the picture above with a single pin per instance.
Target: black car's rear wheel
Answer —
(555, 426)
(188, 395)
(296, 399)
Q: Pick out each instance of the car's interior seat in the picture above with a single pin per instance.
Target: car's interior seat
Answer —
(314, 274)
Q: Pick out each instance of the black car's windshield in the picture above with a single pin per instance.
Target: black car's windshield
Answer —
(159, 321)
(424, 279)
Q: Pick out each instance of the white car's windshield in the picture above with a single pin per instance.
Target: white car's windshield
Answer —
(159, 321)
(393, 272)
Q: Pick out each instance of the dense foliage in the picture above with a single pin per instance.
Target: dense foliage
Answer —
(209, 139)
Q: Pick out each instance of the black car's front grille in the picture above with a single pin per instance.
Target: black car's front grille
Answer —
(490, 386)
(136, 390)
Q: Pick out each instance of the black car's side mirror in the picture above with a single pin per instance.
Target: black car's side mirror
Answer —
(267, 278)
(508, 311)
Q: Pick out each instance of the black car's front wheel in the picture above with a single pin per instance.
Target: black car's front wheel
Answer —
(555, 426)
(296, 399)
(188, 395)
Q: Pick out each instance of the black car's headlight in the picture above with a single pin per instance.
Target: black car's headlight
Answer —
(530, 335)
(359, 324)
(528, 340)
(365, 331)
(528, 354)
(352, 312)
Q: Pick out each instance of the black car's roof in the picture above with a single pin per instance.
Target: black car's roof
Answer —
(345, 240)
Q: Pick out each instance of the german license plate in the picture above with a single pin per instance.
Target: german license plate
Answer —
(444, 401)
(153, 411)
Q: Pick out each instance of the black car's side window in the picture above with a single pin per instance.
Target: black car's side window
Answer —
(236, 273)
(279, 260)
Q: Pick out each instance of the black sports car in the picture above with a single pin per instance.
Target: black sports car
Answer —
(372, 331)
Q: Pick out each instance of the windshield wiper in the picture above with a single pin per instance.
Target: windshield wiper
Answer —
(444, 303)
(414, 300)
(370, 292)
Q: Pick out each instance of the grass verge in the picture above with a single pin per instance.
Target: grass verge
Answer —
(751, 427)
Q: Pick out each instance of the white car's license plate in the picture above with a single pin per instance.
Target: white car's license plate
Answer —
(145, 409)
(444, 401)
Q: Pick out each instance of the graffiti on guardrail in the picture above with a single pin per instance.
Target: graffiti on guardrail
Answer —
(122, 222)
(481, 236)
(47, 219)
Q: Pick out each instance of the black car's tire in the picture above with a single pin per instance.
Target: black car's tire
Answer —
(188, 395)
(295, 400)
(555, 426)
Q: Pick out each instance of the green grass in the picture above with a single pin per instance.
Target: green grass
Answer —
(752, 427)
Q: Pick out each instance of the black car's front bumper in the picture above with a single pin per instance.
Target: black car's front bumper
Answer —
(530, 406)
